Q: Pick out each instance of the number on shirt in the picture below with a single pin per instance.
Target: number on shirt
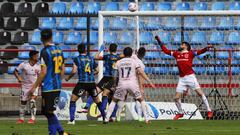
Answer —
(58, 60)
(87, 68)
(126, 72)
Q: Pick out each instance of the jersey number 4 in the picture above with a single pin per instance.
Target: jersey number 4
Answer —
(58, 60)
(87, 68)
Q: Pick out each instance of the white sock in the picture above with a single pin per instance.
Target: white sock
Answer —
(33, 109)
(205, 101)
(144, 110)
(120, 108)
(22, 111)
(110, 110)
(179, 106)
(139, 109)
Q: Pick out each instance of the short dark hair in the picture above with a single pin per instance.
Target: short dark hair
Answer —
(127, 52)
(113, 47)
(81, 48)
(46, 35)
(141, 52)
(32, 53)
(187, 44)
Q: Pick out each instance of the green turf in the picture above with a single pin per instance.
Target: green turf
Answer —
(184, 127)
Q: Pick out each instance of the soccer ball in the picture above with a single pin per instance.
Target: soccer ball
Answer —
(132, 7)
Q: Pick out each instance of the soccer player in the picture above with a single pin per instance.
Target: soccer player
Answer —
(29, 72)
(85, 65)
(52, 70)
(184, 57)
(128, 70)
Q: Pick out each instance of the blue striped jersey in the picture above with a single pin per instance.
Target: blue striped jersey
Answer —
(109, 63)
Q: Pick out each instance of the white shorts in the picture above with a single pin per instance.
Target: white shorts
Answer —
(187, 82)
(25, 94)
(122, 91)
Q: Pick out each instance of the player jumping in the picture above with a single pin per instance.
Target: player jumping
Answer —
(184, 57)
(29, 73)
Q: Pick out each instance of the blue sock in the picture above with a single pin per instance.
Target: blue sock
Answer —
(104, 102)
(58, 125)
(72, 110)
(101, 109)
(114, 111)
(51, 124)
(89, 102)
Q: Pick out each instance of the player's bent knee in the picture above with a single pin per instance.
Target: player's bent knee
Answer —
(74, 97)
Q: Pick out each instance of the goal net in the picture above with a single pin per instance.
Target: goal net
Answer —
(217, 71)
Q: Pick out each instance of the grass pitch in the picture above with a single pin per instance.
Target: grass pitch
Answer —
(182, 127)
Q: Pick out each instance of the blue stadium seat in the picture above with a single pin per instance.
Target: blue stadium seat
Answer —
(131, 25)
(95, 24)
(218, 6)
(236, 55)
(183, 6)
(68, 70)
(235, 70)
(146, 38)
(126, 38)
(109, 37)
(81, 23)
(164, 6)
(76, 8)
(165, 37)
(93, 38)
(58, 37)
(237, 26)
(166, 56)
(234, 6)
(172, 23)
(74, 54)
(160, 70)
(177, 38)
(205, 55)
(198, 38)
(150, 55)
(58, 8)
(226, 23)
(48, 23)
(65, 23)
(149, 70)
(153, 23)
(93, 7)
(199, 70)
(25, 55)
(11, 69)
(124, 6)
(73, 38)
(208, 23)
(173, 71)
(36, 38)
(66, 55)
(218, 70)
(147, 6)
(233, 38)
(200, 6)
(190, 23)
(216, 38)
(119, 24)
(222, 55)
(112, 6)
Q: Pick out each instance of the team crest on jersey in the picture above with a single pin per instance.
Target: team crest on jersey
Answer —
(186, 55)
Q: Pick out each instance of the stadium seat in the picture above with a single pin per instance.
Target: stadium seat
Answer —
(65, 23)
(126, 38)
(31, 23)
(58, 37)
(160, 70)
(236, 55)
(24, 8)
(95, 24)
(25, 55)
(13, 0)
(73, 38)
(208, 23)
(149, 70)
(172, 23)
(152, 55)
(226, 23)
(183, 6)
(81, 23)
(7, 8)
(119, 24)
(216, 38)
(237, 26)
(166, 56)
(48, 0)
(93, 7)
(109, 37)
(1, 23)
(58, 8)
(66, 0)
(66, 54)
(13, 23)
(198, 38)
(218, 6)
(41, 8)
(153, 23)
(36, 38)
(235, 70)
(147, 6)
(222, 55)
(146, 38)
(93, 38)
(112, 6)
(233, 38)
(11, 69)
(48, 23)
(178, 40)
(165, 37)
(30, 0)
(199, 70)
(234, 6)
(10, 55)
(124, 6)
(76, 8)
(217, 71)
(20, 38)
(164, 6)
(131, 25)
(190, 23)
(200, 6)
(5, 37)
(173, 71)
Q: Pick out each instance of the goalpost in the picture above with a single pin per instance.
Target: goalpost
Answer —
(220, 71)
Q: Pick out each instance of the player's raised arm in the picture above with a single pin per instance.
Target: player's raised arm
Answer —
(163, 47)
(199, 52)
(73, 72)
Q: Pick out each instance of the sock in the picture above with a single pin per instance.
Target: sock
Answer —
(58, 125)
(104, 102)
(139, 109)
(72, 110)
(51, 124)
(22, 111)
(33, 109)
(179, 106)
(205, 101)
(89, 102)
(120, 105)
(144, 110)
(110, 110)
(114, 113)
(101, 109)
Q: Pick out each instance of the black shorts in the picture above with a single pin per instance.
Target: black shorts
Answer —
(107, 82)
(50, 101)
(80, 88)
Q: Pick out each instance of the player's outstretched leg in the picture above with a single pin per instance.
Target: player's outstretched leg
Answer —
(139, 110)
(179, 106)
(114, 114)
(100, 107)
(205, 101)
(120, 105)
(144, 110)
(72, 109)
(22, 112)
(33, 111)
(110, 110)
(87, 106)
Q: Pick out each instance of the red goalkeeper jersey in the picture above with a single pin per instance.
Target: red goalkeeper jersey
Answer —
(184, 59)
